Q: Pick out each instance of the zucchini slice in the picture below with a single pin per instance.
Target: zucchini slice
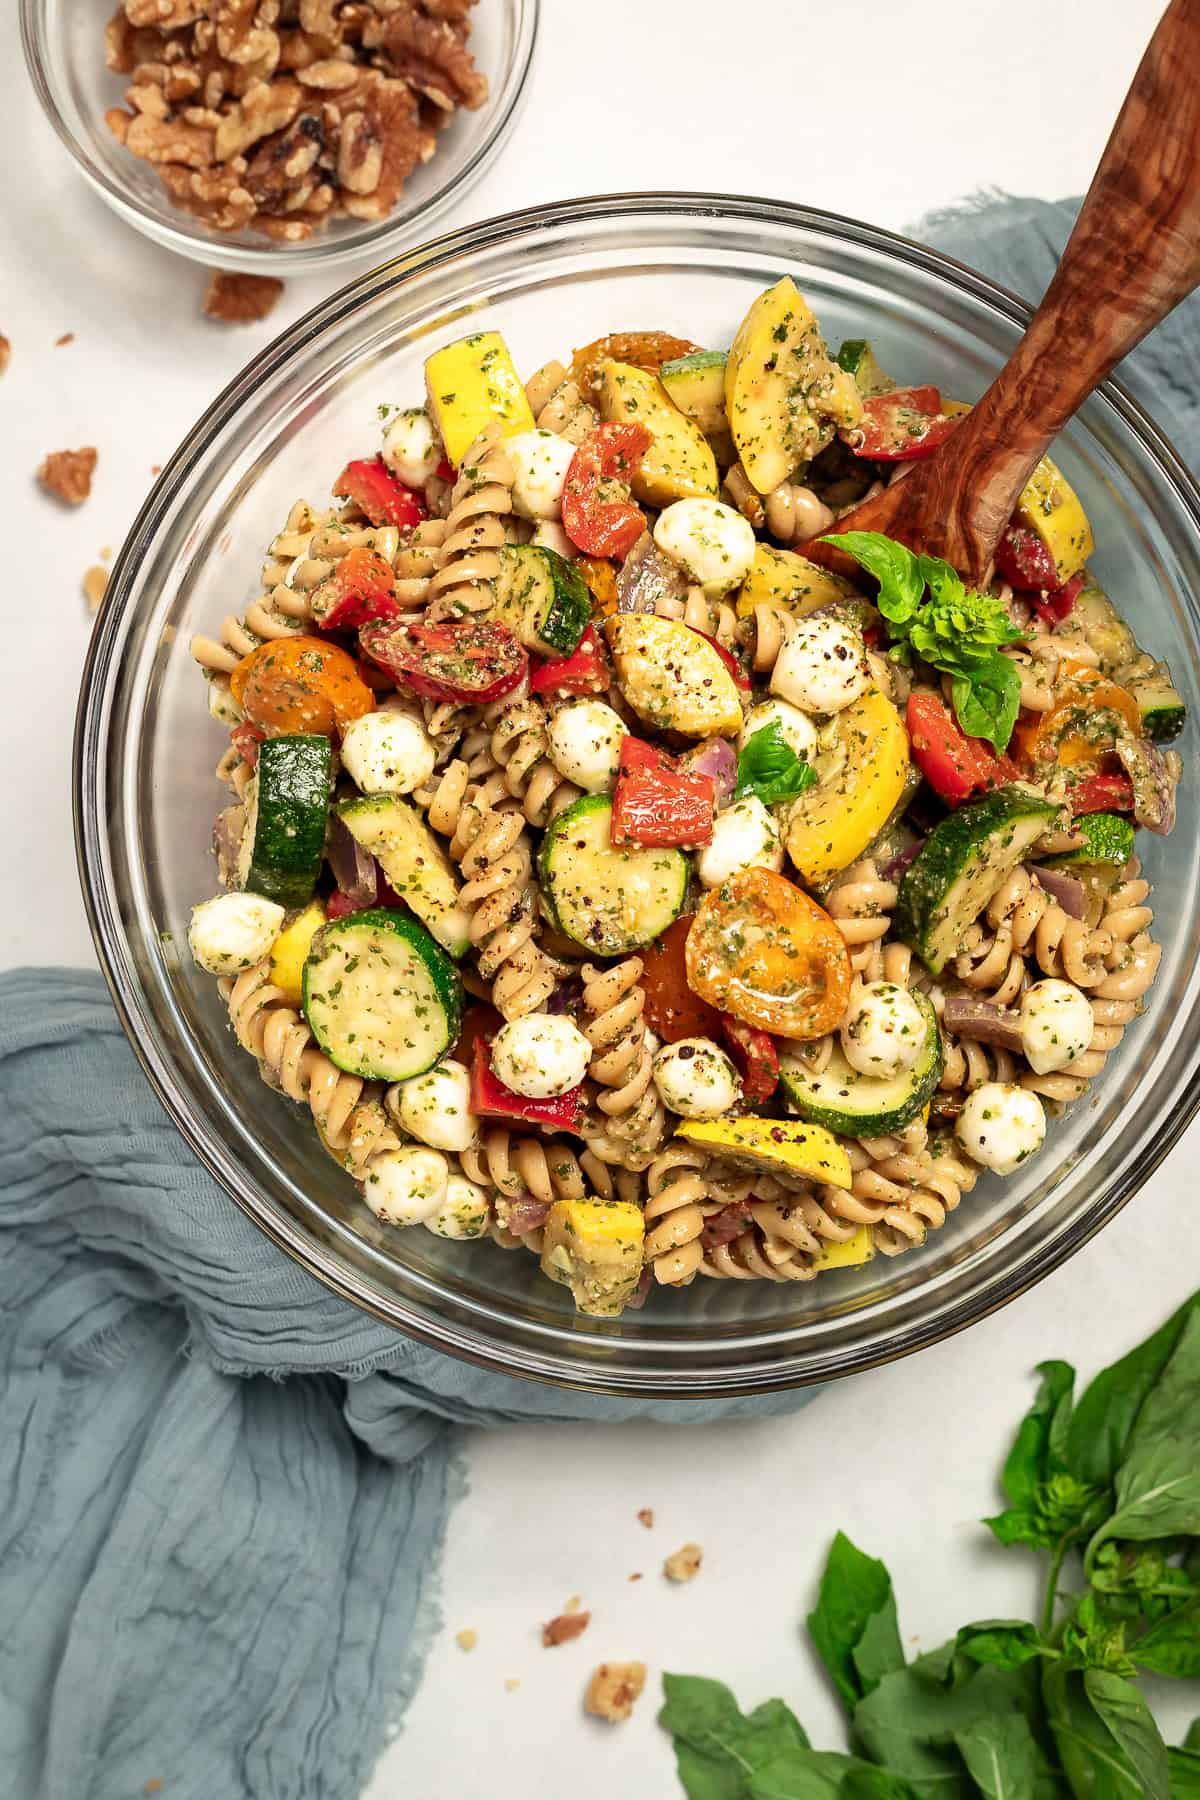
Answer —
(611, 901)
(1161, 706)
(961, 864)
(855, 1105)
(542, 598)
(287, 811)
(381, 999)
(696, 384)
(1107, 838)
(858, 358)
(413, 861)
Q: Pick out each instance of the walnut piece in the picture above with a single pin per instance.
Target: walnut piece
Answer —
(684, 1564)
(612, 1690)
(279, 114)
(565, 1627)
(5, 354)
(466, 1639)
(240, 299)
(95, 581)
(646, 1517)
(67, 474)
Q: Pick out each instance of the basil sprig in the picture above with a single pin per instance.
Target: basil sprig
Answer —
(770, 768)
(1107, 1486)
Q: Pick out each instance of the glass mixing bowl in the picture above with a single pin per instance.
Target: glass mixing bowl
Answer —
(64, 52)
(550, 279)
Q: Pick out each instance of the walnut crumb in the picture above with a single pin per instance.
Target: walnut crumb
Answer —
(574, 1604)
(565, 1627)
(95, 581)
(5, 353)
(466, 1640)
(68, 337)
(684, 1564)
(106, 553)
(646, 1517)
(612, 1690)
(240, 299)
(67, 474)
(512, 1684)
(636, 1576)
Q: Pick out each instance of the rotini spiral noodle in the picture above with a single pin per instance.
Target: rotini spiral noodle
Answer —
(475, 530)
(861, 903)
(715, 618)
(1065, 948)
(557, 403)
(622, 1062)
(794, 512)
(677, 1204)
(519, 746)
(493, 852)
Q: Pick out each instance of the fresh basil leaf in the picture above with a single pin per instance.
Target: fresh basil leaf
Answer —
(855, 1589)
(1106, 1414)
(1172, 1645)
(1028, 1462)
(1158, 1482)
(801, 1775)
(909, 1723)
(869, 1783)
(1094, 1636)
(1183, 1771)
(1001, 1643)
(896, 569)
(988, 699)
(1192, 1740)
(1095, 1766)
(1001, 1757)
(1123, 1710)
(770, 768)
(716, 1747)
(1020, 1525)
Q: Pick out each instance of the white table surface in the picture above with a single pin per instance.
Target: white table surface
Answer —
(878, 108)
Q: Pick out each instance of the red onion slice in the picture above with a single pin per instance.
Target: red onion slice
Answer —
(965, 1016)
(648, 576)
(354, 868)
(1153, 788)
(1068, 890)
(718, 761)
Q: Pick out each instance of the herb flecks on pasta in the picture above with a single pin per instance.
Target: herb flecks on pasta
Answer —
(610, 881)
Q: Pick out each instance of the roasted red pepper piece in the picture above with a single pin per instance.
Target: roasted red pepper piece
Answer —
(728, 658)
(597, 513)
(1102, 793)
(586, 671)
(655, 804)
(246, 739)
(900, 426)
(490, 1099)
(361, 587)
(470, 661)
(379, 495)
(756, 1057)
(955, 765)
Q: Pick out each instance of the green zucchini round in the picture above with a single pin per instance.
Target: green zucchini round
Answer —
(381, 998)
(856, 1105)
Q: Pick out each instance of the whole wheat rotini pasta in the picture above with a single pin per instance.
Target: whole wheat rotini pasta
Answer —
(607, 882)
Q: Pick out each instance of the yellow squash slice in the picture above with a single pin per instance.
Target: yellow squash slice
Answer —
(861, 772)
(594, 1247)
(1050, 508)
(856, 1250)
(470, 383)
(290, 951)
(777, 1146)
(679, 463)
(672, 677)
(782, 578)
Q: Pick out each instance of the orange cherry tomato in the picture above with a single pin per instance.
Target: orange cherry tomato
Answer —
(1083, 723)
(601, 578)
(672, 1010)
(760, 949)
(300, 684)
(643, 349)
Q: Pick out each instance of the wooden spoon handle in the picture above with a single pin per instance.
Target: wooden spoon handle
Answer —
(1134, 255)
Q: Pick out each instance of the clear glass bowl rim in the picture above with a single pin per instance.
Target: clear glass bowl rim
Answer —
(994, 1288)
(212, 248)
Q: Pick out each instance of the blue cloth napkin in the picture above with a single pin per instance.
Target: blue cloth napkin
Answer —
(223, 1490)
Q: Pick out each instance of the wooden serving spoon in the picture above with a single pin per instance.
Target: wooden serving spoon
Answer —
(1133, 256)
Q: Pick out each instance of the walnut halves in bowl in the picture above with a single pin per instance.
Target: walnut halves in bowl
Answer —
(276, 115)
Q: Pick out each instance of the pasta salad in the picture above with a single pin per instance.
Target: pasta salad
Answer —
(611, 879)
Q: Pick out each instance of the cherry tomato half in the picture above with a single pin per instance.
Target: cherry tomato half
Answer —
(760, 949)
(300, 684)
(597, 513)
(673, 1011)
(643, 349)
(470, 661)
(900, 426)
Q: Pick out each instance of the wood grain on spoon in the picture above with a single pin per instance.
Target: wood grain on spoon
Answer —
(1133, 256)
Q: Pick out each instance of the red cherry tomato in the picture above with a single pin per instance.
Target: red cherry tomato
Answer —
(468, 661)
(586, 671)
(597, 513)
(955, 765)
(900, 426)
(361, 587)
(1102, 793)
(657, 804)
(673, 1011)
(756, 1057)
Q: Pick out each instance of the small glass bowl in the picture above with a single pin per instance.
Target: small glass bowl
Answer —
(64, 51)
(549, 279)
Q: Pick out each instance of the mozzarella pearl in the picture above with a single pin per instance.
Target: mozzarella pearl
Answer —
(884, 1030)
(232, 932)
(406, 1187)
(710, 541)
(1000, 1125)
(540, 460)
(435, 1107)
(549, 535)
(585, 744)
(540, 1055)
(799, 732)
(410, 447)
(464, 1213)
(821, 666)
(1057, 1023)
(221, 704)
(744, 836)
(387, 752)
(696, 1079)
